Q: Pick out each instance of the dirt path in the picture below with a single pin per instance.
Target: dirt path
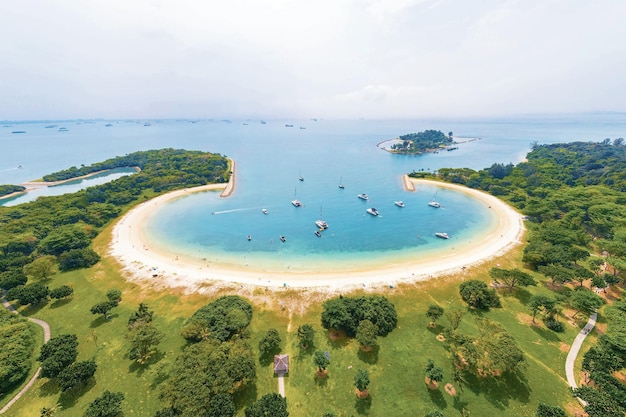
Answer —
(573, 353)
(46, 337)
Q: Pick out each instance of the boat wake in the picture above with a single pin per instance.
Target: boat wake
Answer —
(235, 210)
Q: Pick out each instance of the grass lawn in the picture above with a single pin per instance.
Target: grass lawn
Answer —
(396, 369)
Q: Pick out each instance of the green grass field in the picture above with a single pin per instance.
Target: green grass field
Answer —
(396, 369)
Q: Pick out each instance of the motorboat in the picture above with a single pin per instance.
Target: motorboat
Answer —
(442, 235)
(282, 238)
(372, 211)
(318, 233)
(434, 204)
(363, 196)
(399, 203)
(296, 203)
(321, 224)
(249, 238)
(265, 211)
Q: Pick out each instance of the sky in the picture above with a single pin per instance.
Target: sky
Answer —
(379, 59)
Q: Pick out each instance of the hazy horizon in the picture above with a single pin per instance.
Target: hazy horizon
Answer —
(282, 59)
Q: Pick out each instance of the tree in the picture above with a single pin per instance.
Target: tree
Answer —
(321, 362)
(57, 354)
(220, 319)
(17, 344)
(434, 374)
(78, 258)
(435, 413)
(221, 405)
(142, 316)
(41, 268)
(306, 336)
(596, 265)
(103, 308)
(48, 412)
(366, 335)
(557, 273)
(29, 294)
(270, 342)
(434, 312)
(108, 404)
(361, 382)
(64, 291)
(76, 374)
(543, 303)
(454, 317)
(599, 282)
(143, 342)
(581, 274)
(511, 277)
(477, 295)
(583, 300)
(114, 296)
(269, 405)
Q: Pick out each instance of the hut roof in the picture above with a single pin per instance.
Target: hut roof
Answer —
(281, 364)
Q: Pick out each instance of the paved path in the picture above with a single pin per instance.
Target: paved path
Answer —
(281, 385)
(46, 337)
(573, 353)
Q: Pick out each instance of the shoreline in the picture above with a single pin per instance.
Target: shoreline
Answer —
(144, 262)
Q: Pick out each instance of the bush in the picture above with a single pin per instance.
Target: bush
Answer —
(554, 325)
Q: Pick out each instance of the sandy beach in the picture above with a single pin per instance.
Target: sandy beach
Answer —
(142, 262)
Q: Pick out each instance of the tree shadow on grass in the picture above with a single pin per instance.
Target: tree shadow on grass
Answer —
(363, 406)
(320, 381)
(435, 330)
(34, 308)
(546, 334)
(100, 320)
(459, 404)
(140, 368)
(369, 357)
(500, 390)
(521, 294)
(69, 398)
(246, 396)
(49, 388)
(60, 303)
(339, 341)
(436, 397)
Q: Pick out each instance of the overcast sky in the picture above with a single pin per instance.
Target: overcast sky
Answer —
(321, 58)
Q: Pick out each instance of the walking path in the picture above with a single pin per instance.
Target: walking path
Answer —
(46, 337)
(281, 385)
(573, 353)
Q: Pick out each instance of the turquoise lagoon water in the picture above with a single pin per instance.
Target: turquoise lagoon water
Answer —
(270, 157)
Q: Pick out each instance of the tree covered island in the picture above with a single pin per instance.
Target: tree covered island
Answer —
(426, 141)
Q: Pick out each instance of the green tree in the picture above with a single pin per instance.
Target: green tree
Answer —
(268, 405)
(538, 303)
(306, 336)
(77, 258)
(434, 312)
(584, 300)
(366, 335)
(57, 354)
(64, 291)
(434, 374)
(511, 277)
(76, 374)
(17, 343)
(557, 273)
(581, 274)
(599, 282)
(64, 238)
(477, 295)
(544, 410)
(362, 381)
(220, 319)
(143, 341)
(103, 308)
(270, 342)
(596, 265)
(221, 405)
(321, 361)
(435, 413)
(114, 296)
(41, 268)
(29, 294)
(109, 404)
(142, 316)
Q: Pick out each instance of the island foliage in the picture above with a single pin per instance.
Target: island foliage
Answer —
(7, 189)
(425, 141)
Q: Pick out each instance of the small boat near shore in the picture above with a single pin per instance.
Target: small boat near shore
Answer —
(318, 233)
(434, 204)
(296, 203)
(282, 238)
(363, 196)
(321, 224)
(442, 235)
(372, 211)
(249, 238)
(399, 203)
(265, 211)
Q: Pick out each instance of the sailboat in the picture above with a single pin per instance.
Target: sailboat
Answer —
(434, 203)
(341, 184)
(321, 224)
(295, 201)
(301, 178)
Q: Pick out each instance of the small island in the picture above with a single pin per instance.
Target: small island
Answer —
(421, 142)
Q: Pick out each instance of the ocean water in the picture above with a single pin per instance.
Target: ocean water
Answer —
(270, 157)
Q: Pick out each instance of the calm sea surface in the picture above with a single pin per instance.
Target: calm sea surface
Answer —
(270, 157)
